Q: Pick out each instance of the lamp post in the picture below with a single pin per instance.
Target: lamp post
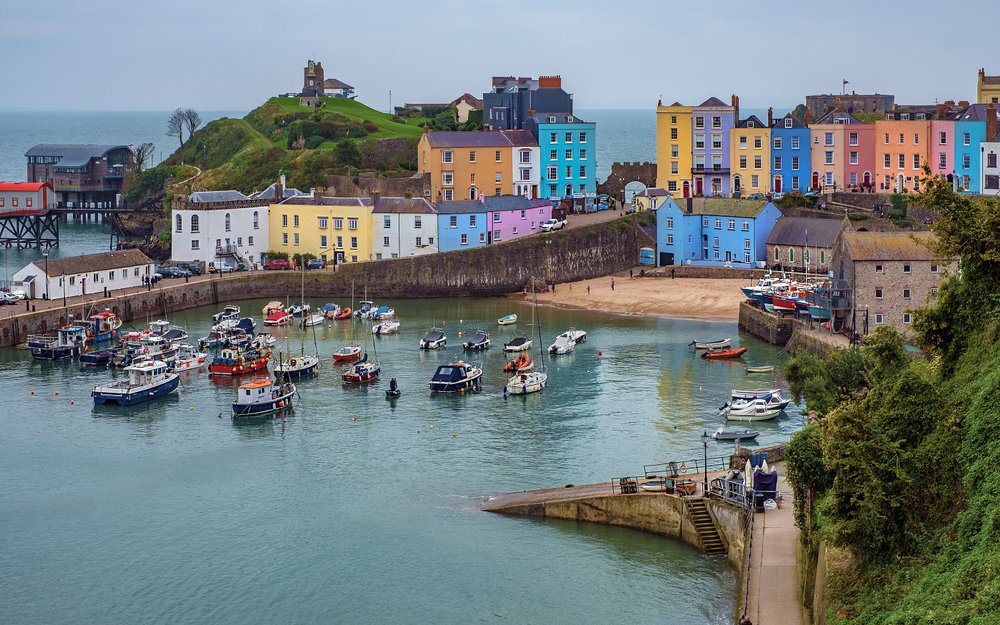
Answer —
(704, 443)
(62, 282)
(46, 256)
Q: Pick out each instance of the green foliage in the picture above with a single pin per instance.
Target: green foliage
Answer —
(347, 153)
(807, 379)
(475, 121)
(151, 181)
(795, 199)
(302, 258)
(216, 143)
(276, 255)
(445, 120)
(807, 472)
(799, 113)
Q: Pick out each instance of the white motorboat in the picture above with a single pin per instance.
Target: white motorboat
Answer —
(229, 312)
(434, 339)
(189, 359)
(525, 380)
(479, 340)
(525, 383)
(389, 326)
(259, 399)
(771, 396)
(563, 344)
(273, 307)
(315, 319)
(517, 344)
(296, 367)
(717, 344)
(145, 382)
(749, 410)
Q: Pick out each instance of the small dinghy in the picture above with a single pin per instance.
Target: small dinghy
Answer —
(345, 313)
(761, 369)
(517, 344)
(718, 344)
(507, 320)
(520, 364)
(722, 354)
(723, 434)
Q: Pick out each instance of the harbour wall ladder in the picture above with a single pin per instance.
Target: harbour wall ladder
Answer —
(711, 541)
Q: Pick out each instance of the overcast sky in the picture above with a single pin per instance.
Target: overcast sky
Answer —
(233, 54)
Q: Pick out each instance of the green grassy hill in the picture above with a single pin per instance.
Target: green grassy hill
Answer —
(305, 144)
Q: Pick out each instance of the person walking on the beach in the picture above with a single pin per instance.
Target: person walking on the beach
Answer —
(629, 273)
(612, 284)
(588, 289)
(671, 273)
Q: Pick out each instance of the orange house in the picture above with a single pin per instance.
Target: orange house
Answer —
(902, 146)
(465, 165)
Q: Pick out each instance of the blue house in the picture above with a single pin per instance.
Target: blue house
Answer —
(970, 131)
(714, 231)
(462, 224)
(568, 149)
(790, 148)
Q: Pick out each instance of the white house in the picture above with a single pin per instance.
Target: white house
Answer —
(81, 275)
(990, 164)
(403, 227)
(527, 174)
(209, 226)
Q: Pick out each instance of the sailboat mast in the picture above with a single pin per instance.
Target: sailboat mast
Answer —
(538, 323)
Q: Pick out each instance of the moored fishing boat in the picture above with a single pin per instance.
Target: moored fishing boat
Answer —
(717, 344)
(517, 344)
(97, 358)
(455, 377)
(189, 359)
(104, 326)
(723, 354)
(297, 367)
(145, 382)
(749, 410)
(233, 361)
(819, 313)
(67, 342)
(257, 400)
(362, 371)
(507, 320)
(480, 340)
(434, 339)
(783, 303)
(229, 312)
(347, 353)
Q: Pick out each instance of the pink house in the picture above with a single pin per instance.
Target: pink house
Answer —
(513, 216)
(942, 149)
(859, 156)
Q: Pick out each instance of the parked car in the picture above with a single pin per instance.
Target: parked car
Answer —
(756, 196)
(315, 263)
(173, 272)
(8, 299)
(18, 293)
(192, 267)
(277, 264)
(221, 267)
(553, 224)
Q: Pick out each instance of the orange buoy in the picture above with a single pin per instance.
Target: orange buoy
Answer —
(57, 393)
(600, 353)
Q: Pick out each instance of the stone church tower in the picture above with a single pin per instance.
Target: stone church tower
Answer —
(312, 84)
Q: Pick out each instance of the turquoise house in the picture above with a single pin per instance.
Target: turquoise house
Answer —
(568, 149)
(970, 132)
(714, 231)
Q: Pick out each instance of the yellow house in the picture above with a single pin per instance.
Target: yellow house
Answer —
(465, 165)
(987, 88)
(332, 228)
(673, 148)
(750, 157)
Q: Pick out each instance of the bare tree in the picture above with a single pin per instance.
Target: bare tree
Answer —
(192, 120)
(143, 155)
(175, 125)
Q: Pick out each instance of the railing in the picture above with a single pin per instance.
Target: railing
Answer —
(677, 476)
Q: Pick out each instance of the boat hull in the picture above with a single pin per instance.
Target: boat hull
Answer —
(347, 358)
(819, 313)
(131, 397)
(361, 378)
(444, 388)
(728, 354)
(99, 358)
(293, 369)
(238, 369)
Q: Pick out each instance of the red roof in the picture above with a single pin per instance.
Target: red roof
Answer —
(23, 186)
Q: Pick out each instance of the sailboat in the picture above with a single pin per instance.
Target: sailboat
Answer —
(351, 351)
(525, 382)
(303, 364)
(364, 370)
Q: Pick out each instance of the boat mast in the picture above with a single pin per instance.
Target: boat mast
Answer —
(537, 323)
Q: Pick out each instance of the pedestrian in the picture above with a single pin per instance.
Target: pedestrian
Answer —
(672, 272)
(612, 284)
(588, 289)
(629, 273)
(745, 621)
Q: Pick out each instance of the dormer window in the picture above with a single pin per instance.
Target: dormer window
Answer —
(788, 122)
(905, 117)
(552, 119)
(750, 125)
(569, 119)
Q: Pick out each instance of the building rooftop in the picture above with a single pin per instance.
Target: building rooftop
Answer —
(561, 118)
(726, 207)
(975, 113)
(653, 192)
(268, 193)
(751, 122)
(304, 200)
(199, 197)
(780, 122)
(713, 101)
(805, 231)
(469, 99)
(461, 207)
(412, 205)
(23, 187)
(333, 83)
(73, 155)
(890, 245)
(512, 202)
(837, 117)
(94, 262)
(480, 139)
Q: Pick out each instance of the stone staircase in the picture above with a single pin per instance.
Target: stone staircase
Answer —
(709, 535)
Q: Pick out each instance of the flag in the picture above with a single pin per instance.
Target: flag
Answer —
(846, 81)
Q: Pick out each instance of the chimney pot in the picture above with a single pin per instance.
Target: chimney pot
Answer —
(770, 116)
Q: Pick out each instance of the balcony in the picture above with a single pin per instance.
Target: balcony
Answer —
(708, 170)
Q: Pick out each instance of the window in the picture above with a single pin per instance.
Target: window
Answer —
(552, 137)
(670, 223)
(340, 242)
(791, 254)
(777, 254)
(906, 269)
(670, 239)
(991, 160)
(902, 161)
(447, 178)
(965, 138)
(386, 221)
(322, 222)
(354, 258)
(743, 143)
(795, 163)
(568, 137)
(853, 158)
(906, 317)
(523, 215)
(745, 226)
(338, 223)
(754, 181)
(704, 222)
(194, 223)
(482, 237)
(354, 242)
(699, 142)
(453, 221)
(446, 156)
(498, 178)
(718, 224)
(352, 223)
(879, 319)
(731, 225)
(256, 221)
(699, 122)
(582, 137)
(13, 201)
(795, 181)
(795, 142)
(583, 171)
(716, 121)
(674, 151)
(756, 143)
(916, 161)
(715, 242)
(852, 138)
(853, 179)
(828, 138)
(496, 218)
(239, 242)
(295, 221)
(472, 156)
(514, 231)
(777, 162)
(757, 162)
(569, 155)
(419, 242)
(746, 244)
(179, 223)
(777, 143)
(672, 184)
(879, 269)
(569, 172)
(496, 236)
(878, 293)
(673, 134)
(902, 138)
(829, 178)
(885, 139)
(906, 293)
(885, 161)
(934, 268)
(674, 169)
(111, 276)
(296, 240)
(829, 157)
(385, 241)
(904, 116)
(284, 238)
(552, 172)
(966, 161)
(716, 141)
(743, 161)
(916, 139)
(942, 160)
(229, 222)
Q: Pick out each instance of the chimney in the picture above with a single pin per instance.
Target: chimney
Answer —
(690, 205)
(963, 104)
(550, 82)
(532, 112)
(992, 124)
(279, 190)
(375, 195)
(838, 103)
(808, 117)
(427, 128)
(736, 106)
(982, 73)
(940, 110)
(770, 117)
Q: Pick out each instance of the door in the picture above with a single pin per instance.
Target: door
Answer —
(815, 180)
(666, 258)
(699, 186)
(777, 184)
(867, 178)
(687, 189)
(729, 257)
(737, 185)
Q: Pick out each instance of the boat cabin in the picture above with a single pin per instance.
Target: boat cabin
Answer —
(146, 372)
(255, 392)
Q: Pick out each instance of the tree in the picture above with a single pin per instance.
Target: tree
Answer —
(347, 153)
(143, 154)
(191, 120)
(175, 125)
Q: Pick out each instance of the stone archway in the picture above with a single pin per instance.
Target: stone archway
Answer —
(632, 189)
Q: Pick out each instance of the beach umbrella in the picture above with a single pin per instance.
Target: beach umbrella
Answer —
(748, 475)
(764, 468)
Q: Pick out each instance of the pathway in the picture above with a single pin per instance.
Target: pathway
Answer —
(773, 595)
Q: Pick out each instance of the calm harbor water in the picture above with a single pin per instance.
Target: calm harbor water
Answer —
(357, 509)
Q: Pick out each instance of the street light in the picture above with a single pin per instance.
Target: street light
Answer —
(46, 255)
(62, 282)
(704, 443)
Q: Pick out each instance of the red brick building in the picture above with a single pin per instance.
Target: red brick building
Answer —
(82, 176)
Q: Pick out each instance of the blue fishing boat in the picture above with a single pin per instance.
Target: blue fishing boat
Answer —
(98, 358)
(819, 313)
(146, 381)
(261, 398)
(68, 342)
(104, 326)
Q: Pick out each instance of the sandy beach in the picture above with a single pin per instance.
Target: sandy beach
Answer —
(689, 298)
